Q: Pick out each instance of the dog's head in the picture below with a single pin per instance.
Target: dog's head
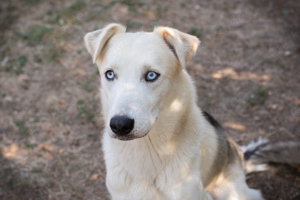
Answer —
(137, 71)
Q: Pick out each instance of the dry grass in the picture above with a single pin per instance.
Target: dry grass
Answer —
(246, 71)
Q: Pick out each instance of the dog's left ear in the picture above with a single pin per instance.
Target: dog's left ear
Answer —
(95, 41)
(182, 45)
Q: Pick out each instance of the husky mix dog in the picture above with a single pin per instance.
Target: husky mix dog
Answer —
(158, 144)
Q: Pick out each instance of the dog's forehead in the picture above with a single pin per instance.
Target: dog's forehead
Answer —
(138, 40)
(136, 47)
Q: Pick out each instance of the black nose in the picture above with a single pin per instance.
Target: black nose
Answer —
(121, 125)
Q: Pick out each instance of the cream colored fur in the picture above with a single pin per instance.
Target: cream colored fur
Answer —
(173, 151)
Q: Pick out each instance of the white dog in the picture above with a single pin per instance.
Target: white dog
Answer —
(157, 143)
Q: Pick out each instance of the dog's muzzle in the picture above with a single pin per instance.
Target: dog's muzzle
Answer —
(121, 125)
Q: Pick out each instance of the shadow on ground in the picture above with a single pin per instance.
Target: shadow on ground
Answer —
(15, 185)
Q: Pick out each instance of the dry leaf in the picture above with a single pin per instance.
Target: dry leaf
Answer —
(47, 155)
(51, 133)
(62, 101)
(94, 177)
(150, 15)
(81, 72)
(47, 146)
(10, 152)
(235, 126)
(61, 151)
(297, 101)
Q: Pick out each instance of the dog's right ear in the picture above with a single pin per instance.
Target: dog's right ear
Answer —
(95, 41)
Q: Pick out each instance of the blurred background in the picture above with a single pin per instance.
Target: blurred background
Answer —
(246, 71)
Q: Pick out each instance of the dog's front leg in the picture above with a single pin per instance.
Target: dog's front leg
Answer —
(122, 186)
(175, 186)
(189, 191)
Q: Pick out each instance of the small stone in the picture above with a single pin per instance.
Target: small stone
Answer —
(274, 106)
(66, 132)
(261, 132)
(23, 78)
(51, 100)
(58, 75)
(5, 60)
(197, 7)
(287, 53)
(8, 99)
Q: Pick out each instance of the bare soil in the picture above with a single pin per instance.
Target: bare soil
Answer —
(246, 71)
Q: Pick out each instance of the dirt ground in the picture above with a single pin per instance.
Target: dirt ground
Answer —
(246, 70)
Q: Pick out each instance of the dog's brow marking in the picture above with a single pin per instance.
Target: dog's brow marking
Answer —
(114, 67)
(146, 68)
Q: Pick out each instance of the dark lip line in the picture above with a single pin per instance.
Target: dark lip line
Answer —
(126, 138)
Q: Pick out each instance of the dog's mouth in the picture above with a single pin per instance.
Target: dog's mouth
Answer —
(127, 137)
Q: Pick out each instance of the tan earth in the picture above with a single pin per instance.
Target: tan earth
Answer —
(246, 70)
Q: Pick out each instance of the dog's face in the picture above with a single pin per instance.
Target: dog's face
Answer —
(136, 71)
(134, 81)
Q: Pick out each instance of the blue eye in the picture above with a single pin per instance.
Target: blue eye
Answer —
(152, 76)
(110, 75)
